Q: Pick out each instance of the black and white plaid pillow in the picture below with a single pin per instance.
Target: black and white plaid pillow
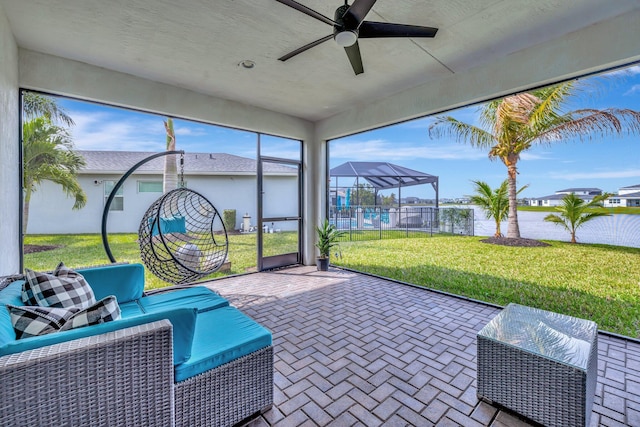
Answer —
(64, 288)
(105, 310)
(30, 321)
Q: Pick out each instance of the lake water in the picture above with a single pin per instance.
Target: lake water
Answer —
(619, 230)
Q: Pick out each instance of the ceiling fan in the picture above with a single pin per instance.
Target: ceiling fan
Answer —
(349, 25)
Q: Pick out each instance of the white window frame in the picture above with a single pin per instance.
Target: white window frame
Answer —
(119, 195)
(149, 182)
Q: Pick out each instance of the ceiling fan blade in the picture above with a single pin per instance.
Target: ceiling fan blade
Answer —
(353, 52)
(305, 47)
(359, 10)
(369, 29)
(310, 12)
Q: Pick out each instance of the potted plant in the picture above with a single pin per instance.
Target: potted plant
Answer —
(328, 237)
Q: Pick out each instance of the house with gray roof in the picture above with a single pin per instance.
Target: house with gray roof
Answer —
(555, 199)
(627, 197)
(227, 181)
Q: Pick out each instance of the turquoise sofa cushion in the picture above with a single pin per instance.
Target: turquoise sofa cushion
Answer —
(198, 297)
(177, 224)
(182, 319)
(125, 281)
(222, 335)
(11, 295)
(130, 309)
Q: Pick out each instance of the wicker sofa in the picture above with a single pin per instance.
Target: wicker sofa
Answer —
(182, 357)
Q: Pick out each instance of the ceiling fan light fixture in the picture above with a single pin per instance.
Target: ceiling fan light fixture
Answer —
(346, 38)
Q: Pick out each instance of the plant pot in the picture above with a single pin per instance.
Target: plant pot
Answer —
(322, 264)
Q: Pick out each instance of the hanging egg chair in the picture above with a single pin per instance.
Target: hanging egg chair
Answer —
(182, 237)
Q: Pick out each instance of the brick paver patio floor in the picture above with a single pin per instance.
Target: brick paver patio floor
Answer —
(351, 349)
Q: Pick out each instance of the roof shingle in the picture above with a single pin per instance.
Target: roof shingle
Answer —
(194, 163)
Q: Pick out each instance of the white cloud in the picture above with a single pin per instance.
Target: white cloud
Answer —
(629, 173)
(531, 156)
(633, 89)
(185, 131)
(423, 123)
(380, 150)
(102, 131)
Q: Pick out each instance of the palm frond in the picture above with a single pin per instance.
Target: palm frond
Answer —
(586, 124)
(67, 180)
(551, 100)
(35, 105)
(516, 108)
(462, 132)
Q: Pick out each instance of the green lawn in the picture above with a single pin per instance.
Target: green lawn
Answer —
(77, 250)
(597, 282)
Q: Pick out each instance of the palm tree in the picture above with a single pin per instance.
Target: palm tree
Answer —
(512, 125)
(494, 203)
(574, 212)
(170, 177)
(36, 105)
(48, 156)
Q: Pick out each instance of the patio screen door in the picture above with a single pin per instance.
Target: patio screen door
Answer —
(280, 221)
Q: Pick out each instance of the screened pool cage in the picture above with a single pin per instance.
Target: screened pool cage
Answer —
(357, 208)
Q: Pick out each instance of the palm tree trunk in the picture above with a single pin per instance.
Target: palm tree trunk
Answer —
(25, 209)
(170, 176)
(498, 232)
(513, 230)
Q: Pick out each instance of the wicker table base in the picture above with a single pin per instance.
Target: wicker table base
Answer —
(540, 364)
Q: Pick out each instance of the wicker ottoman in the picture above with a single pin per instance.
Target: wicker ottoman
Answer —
(540, 364)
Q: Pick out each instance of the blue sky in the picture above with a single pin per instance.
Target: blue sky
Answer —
(606, 163)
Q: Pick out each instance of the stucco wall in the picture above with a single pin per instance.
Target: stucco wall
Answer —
(51, 212)
(9, 152)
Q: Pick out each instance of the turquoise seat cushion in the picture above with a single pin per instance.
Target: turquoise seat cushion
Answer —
(222, 335)
(198, 297)
(11, 295)
(182, 319)
(124, 281)
(130, 309)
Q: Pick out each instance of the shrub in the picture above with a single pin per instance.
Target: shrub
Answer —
(229, 219)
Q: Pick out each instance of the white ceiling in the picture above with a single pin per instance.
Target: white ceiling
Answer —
(198, 44)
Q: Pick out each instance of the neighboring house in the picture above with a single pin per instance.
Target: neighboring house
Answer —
(585, 194)
(227, 181)
(626, 197)
(410, 200)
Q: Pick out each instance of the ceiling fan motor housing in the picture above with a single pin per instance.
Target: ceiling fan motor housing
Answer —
(343, 27)
(342, 21)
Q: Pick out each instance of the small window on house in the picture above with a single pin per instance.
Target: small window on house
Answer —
(149, 186)
(118, 201)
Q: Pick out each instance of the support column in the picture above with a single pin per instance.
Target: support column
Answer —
(10, 200)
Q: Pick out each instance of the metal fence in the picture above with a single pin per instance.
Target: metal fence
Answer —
(376, 222)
